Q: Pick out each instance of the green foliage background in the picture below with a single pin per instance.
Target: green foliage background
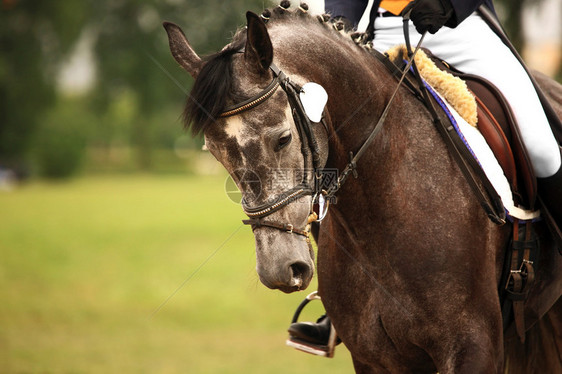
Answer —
(134, 106)
(139, 89)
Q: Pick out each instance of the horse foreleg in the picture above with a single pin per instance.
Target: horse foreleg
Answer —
(472, 358)
(362, 368)
(542, 350)
(473, 349)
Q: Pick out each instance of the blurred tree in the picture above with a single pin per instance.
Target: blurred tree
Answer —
(138, 82)
(513, 23)
(513, 19)
(132, 61)
(60, 141)
(33, 37)
(133, 54)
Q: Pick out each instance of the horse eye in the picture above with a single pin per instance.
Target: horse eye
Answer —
(283, 141)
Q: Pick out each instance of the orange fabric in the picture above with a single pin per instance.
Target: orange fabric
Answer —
(394, 6)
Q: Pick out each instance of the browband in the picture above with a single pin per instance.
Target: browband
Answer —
(253, 101)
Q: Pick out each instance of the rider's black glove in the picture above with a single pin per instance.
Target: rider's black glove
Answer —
(429, 15)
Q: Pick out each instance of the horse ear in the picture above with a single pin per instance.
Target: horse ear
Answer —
(259, 51)
(181, 50)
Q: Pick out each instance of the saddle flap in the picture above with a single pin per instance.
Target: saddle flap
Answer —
(491, 130)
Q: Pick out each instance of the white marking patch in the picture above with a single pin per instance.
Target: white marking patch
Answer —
(236, 128)
(233, 126)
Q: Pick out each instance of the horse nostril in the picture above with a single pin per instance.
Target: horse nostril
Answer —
(300, 271)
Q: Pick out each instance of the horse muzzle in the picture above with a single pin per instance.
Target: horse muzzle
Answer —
(289, 278)
(284, 263)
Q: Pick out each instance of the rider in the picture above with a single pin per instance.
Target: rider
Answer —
(468, 43)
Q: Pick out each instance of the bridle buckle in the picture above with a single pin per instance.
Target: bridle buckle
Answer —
(290, 228)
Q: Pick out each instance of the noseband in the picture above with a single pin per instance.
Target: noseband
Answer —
(309, 148)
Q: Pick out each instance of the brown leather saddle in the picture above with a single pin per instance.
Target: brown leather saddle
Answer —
(497, 124)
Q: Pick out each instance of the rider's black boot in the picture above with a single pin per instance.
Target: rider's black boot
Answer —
(550, 192)
(316, 338)
(317, 333)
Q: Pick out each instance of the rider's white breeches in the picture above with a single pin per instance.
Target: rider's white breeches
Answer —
(474, 48)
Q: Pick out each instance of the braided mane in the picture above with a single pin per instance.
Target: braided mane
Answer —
(214, 84)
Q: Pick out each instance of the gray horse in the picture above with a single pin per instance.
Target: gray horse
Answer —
(408, 262)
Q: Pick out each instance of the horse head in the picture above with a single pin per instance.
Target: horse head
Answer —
(261, 147)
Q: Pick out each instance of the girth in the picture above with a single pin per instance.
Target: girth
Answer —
(518, 277)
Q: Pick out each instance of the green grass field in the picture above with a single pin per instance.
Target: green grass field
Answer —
(89, 271)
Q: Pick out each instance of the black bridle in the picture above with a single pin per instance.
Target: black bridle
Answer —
(309, 150)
